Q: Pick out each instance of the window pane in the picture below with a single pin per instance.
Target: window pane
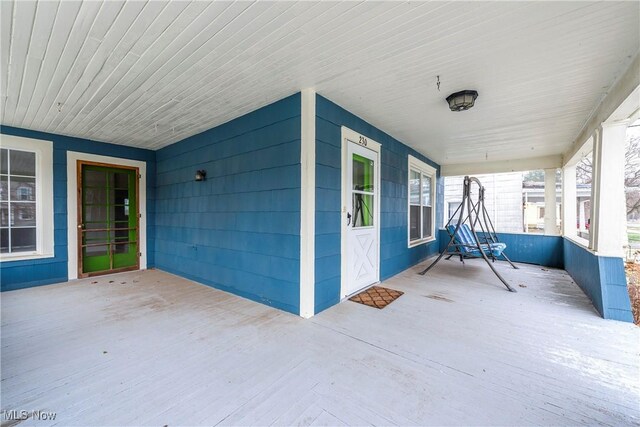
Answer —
(426, 191)
(427, 229)
(23, 214)
(95, 178)
(4, 188)
(4, 240)
(22, 163)
(414, 222)
(121, 180)
(4, 214)
(95, 213)
(362, 173)
(121, 248)
(414, 188)
(96, 250)
(3, 161)
(23, 239)
(95, 196)
(23, 189)
(362, 210)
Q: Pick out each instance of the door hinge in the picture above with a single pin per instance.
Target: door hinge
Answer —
(139, 215)
(139, 175)
(139, 254)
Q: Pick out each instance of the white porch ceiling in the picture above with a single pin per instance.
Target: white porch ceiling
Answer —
(148, 74)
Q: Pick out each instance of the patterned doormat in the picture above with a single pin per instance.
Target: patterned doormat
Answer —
(376, 296)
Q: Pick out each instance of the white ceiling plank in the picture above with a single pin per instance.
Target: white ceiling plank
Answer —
(191, 37)
(176, 69)
(63, 22)
(43, 25)
(6, 19)
(80, 29)
(23, 17)
(130, 25)
(161, 47)
(100, 43)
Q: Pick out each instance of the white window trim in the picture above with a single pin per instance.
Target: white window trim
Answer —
(430, 171)
(44, 195)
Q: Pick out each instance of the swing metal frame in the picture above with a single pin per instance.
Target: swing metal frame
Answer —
(476, 216)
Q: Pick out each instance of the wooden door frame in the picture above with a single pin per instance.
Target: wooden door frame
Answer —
(136, 170)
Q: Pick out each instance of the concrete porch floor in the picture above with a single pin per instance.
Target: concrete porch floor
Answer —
(149, 348)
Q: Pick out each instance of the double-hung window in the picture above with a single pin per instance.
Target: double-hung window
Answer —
(422, 213)
(26, 198)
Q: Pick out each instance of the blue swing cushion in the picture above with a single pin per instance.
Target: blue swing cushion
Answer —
(465, 237)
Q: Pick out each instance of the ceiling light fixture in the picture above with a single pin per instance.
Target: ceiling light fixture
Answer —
(463, 100)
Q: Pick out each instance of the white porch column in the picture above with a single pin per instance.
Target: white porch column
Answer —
(307, 203)
(569, 201)
(550, 227)
(608, 214)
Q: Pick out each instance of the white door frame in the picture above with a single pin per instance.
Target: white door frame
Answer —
(72, 205)
(348, 135)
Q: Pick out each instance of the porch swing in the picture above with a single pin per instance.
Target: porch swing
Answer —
(464, 240)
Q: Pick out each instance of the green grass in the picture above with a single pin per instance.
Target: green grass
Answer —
(633, 237)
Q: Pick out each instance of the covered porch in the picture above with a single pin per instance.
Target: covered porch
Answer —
(151, 348)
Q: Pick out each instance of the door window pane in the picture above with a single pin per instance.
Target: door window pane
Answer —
(23, 239)
(121, 181)
(98, 250)
(22, 163)
(363, 178)
(95, 196)
(94, 178)
(362, 210)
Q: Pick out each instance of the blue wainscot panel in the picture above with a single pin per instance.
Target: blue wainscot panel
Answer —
(601, 278)
(24, 274)
(239, 230)
(395, 256)
(527, 248)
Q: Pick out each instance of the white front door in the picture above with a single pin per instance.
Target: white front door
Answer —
(361, 197)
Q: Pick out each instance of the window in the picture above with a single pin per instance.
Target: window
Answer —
(421, 202)
(26, 198)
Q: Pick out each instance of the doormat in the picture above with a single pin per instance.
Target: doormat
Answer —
(376, 296)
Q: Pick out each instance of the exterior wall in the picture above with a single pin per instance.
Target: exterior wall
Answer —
(503, 198)
(601, 278)
(239, 230)
(28, 273)
(395, 256)
(528, 248)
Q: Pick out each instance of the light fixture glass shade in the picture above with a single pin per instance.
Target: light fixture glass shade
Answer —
(463, 100)
(201, 175)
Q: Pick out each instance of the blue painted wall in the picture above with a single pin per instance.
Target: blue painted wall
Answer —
(601, 278)
(24, 274)
(239, 230)
(528, 248)
(394, 254)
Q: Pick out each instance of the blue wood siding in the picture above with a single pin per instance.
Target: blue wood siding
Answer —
(24, 274)
(601, 278)
(239, 230)
(395, 256)
(528, 248)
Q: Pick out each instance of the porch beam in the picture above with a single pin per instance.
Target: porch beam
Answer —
(609, 108)
(500, 166)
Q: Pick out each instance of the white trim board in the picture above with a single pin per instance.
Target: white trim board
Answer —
(72, 205)
(307, 202)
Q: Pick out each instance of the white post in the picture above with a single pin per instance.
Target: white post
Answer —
(569, 201)
(608, 204)
(307, 203)
(550, 224)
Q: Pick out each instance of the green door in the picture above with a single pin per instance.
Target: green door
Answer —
(109, 219)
